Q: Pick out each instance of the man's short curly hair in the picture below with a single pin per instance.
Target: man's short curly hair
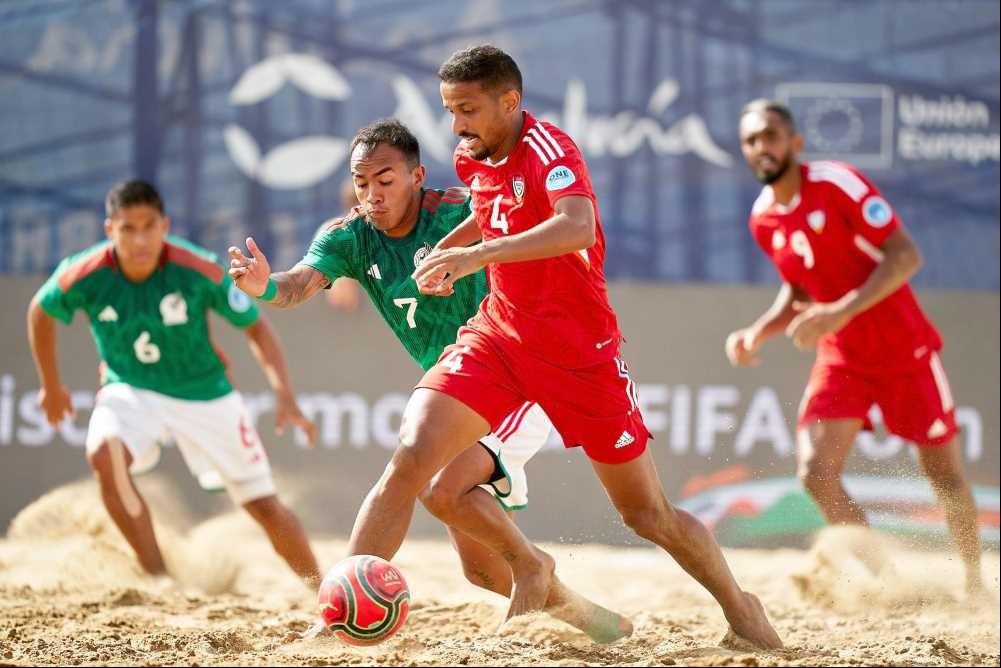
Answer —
(491, 67)
(393, 133)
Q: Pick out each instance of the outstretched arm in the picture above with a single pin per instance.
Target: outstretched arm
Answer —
(742, 345)
(287, 288)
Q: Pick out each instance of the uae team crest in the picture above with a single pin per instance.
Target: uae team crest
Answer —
(518, 187)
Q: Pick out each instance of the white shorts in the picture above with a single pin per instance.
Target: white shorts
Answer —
(519, 437)
(216, 437)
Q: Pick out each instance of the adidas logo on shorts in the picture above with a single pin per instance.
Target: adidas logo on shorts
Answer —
(624, 440)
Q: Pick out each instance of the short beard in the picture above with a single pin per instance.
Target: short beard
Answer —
(769, 179)
(482, 154)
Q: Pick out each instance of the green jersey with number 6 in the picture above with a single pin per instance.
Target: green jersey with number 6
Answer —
(424, 324)
(152, 335)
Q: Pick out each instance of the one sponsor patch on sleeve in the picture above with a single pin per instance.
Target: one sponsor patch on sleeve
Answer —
(238, 299)
(559, 177)
(876, 211)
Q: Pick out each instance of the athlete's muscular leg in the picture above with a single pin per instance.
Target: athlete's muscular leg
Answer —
(944, 467)
(286, 536)
(822, 448)
(454, 496)
(436, 428)
(449, 497)
(110, 463)
(636, 492)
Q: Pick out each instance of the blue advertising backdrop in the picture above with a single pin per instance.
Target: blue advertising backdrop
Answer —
(241, 112)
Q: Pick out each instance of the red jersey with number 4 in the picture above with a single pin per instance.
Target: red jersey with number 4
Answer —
(827, 241)
(556, 308)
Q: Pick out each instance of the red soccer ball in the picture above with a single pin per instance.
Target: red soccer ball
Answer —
(364, 600)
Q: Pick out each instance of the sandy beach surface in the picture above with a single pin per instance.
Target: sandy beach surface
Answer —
(71, 593)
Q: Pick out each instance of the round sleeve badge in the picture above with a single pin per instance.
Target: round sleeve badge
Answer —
(877, 211)
(559, 177)
(238, 299)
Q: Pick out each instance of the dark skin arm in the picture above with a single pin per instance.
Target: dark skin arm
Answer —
(570, 229)
(295, 286)
(901, 260)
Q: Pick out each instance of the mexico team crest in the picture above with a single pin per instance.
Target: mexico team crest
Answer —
(422, 254)
(518, 187)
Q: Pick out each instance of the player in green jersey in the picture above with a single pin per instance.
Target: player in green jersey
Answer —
(379, 244)
(147, 296)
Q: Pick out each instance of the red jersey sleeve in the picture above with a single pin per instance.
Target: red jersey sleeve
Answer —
(561, 168)
(859, 202)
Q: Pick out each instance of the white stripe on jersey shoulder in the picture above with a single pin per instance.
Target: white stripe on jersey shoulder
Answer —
(530, 140)
(544, 144)
(545, 133)
(764, 201)
(870, 249)
(839, 175)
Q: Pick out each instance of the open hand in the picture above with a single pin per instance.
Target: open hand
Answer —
(249, 273)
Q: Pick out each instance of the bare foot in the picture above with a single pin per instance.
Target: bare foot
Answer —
(531, 585)
(751, 627)
(600, 624)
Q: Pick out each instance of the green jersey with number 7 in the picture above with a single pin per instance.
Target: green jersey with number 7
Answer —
(382, 264)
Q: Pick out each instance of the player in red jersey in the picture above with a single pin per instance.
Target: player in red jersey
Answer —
(545, 334)
(845, 260)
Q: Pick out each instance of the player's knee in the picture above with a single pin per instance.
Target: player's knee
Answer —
(815, 477)
(100, 461)
(440, 499)
(651, 523)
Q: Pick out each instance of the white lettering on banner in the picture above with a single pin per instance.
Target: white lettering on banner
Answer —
(928, 130)
(37, 432)
(625, 133)
(306, 161)
(387, 414)
(723, 420)
(970, 425)
(328, 409)
(651, 397)
(711, 419)
(955, 111)
(6, 409)
(681, 422)
(764, 421)
(913, 144)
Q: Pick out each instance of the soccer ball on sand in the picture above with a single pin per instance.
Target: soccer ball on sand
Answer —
(364, 600)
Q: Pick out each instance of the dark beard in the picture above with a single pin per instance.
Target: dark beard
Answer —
(482, 154)
(769, 179)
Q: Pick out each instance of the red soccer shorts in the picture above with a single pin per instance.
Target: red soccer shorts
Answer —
(594, 407)
(916, 404)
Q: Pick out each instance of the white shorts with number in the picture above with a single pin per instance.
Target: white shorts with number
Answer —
(216, 437)
(519, 437)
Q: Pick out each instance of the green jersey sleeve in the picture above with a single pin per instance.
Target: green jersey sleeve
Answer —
(334, 250)
(233, 303)
(56, 302)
